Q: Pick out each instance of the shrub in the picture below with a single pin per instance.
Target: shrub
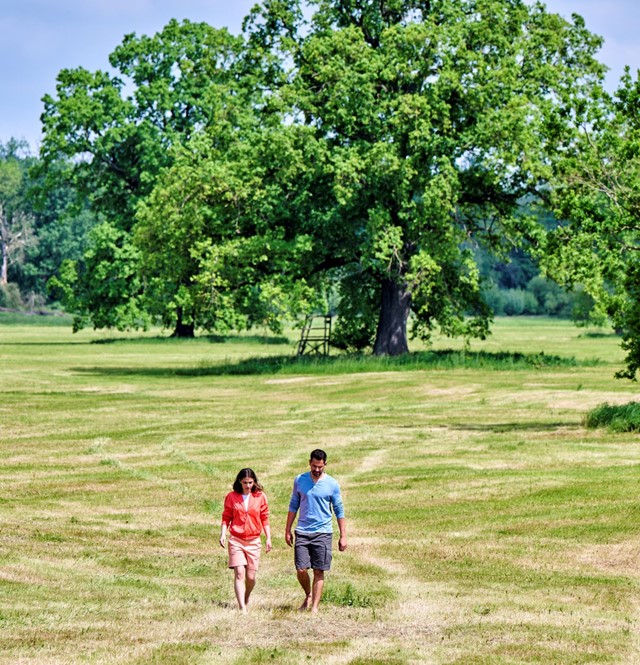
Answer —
(10, 296)
(617, 418)
(495, 299)
(514, 303)
(552, 299)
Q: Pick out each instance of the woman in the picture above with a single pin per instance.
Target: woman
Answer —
(245, 516)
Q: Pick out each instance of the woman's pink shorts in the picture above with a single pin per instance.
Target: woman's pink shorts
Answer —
(244, 552)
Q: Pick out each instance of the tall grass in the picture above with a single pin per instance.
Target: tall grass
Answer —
(617, 417)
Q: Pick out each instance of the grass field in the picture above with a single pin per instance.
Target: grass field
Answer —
(487, 525)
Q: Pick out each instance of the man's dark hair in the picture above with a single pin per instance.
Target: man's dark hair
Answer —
(319, 455)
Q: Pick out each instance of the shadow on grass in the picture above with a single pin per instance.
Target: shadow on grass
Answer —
(352, 364)
(500, 428)
(56, 344)
(600, 334)
(213, 339)
(264, 340)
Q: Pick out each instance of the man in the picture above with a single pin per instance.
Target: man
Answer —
(314, 494)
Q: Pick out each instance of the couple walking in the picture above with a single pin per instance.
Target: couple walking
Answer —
(246, 515)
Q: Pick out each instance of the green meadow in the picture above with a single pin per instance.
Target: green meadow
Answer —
(486, 523)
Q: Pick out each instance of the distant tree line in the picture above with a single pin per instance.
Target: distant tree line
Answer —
(42, 225)
(407, 164)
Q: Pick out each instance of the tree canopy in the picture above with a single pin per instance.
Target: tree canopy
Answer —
(435, 120)
(120, 132)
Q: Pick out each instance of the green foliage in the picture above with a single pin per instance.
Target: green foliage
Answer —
(62, 224)
(540, 296)
(597, 195)
(16, 220)
(357, 310)
(120, 132)
(616, 417)
(10, 296)
(113, 294)
(166, 87)
(216, 241)
(587, 311)
(41, 223)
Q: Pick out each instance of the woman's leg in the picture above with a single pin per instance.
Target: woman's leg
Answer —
(250, 582)
(239, 586)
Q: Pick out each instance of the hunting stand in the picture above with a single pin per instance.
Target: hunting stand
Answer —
(315, 336)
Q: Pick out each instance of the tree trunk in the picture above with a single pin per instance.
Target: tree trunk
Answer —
(182, 329)
(391, 336)
(4, 264)
(4, 248)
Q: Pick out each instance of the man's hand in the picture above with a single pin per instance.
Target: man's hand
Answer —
(288, 536)
(342, 543)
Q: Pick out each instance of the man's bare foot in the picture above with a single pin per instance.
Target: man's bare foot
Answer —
(314, 610)
(306, 603)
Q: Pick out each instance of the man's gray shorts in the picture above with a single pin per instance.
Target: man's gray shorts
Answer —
(313, 550)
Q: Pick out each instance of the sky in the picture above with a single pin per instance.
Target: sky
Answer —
(38, 38)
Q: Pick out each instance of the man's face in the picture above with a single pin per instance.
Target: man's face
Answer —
(317, 468)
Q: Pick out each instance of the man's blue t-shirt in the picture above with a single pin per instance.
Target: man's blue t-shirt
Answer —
(315, 501)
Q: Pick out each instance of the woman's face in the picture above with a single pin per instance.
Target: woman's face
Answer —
(247, 485)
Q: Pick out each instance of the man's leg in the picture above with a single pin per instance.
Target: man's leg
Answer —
(305, 583)
(318, 586)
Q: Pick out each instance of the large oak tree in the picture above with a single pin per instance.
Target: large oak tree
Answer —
(437, 117)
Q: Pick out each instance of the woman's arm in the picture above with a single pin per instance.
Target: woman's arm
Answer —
(227, 516)
(267, 533)
(223, 534)
(264, 518)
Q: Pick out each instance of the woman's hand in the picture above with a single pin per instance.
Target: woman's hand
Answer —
(267, 547)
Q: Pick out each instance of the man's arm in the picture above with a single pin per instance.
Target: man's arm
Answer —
(342, 525)
(338, 509)
(294, 504)
(288, 535)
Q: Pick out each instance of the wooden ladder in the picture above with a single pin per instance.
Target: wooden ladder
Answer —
(315, 336)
